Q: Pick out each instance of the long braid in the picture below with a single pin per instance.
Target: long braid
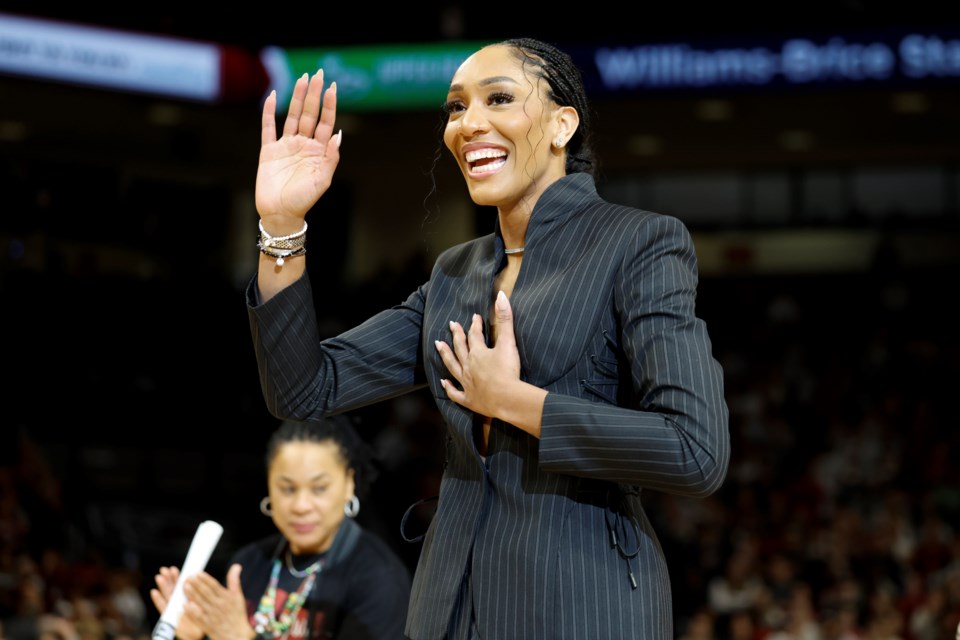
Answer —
(567, 90)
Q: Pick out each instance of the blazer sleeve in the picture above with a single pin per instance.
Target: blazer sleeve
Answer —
(303, 376)
(672, 435)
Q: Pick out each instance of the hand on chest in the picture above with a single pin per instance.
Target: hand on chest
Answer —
(558, 314)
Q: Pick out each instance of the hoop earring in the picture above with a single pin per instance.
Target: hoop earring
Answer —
(352, 507)
(265, 507)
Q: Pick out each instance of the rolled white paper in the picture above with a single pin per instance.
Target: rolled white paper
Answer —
(204, 541)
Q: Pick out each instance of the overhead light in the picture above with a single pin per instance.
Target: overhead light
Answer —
(714, 110)
(12, 131)
(909, 102)
(165, 115)
(797, 140)
(644, 145)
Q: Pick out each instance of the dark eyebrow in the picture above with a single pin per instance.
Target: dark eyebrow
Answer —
(485, 82)
(319, 476)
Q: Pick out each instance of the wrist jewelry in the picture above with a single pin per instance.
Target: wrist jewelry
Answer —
(282, 255)
(282, 247)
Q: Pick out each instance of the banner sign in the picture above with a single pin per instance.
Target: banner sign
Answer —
(392, 77)
(907, 58)
(109, 58)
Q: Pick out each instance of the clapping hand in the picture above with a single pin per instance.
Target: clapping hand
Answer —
(187, 628)
(211, 610)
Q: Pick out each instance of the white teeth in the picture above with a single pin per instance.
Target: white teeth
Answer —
(487, 168)
(473, 156)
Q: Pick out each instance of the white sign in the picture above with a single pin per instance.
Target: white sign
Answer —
(108, 58)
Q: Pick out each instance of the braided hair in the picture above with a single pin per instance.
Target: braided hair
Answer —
(351, 449)
(566, 89)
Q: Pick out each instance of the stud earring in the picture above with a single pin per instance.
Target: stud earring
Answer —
(558, 143)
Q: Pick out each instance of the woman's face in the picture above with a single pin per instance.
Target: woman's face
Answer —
(500, 128)
(309, 484)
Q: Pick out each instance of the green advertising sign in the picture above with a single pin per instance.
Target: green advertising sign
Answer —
(387, 77)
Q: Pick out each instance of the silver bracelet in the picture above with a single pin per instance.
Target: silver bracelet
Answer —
(282, 247)
(282, 254)
(292, 241)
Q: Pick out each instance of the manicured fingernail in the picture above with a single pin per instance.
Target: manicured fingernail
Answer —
(438, 345)
(452, 325)
(339, 138)
(501, 300)
(333, 86)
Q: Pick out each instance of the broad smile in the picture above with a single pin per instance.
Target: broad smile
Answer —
(485, 160)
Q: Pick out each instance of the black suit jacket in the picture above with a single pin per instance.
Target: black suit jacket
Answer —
(550, 533)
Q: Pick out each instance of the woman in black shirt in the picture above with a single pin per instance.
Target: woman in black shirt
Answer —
(321, 575)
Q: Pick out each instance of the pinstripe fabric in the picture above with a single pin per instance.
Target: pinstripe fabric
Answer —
(605, 321)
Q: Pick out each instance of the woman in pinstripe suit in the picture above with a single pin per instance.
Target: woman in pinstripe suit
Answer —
(563, 351)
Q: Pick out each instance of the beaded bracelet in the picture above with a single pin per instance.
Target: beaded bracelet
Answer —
(281, 255)
(281, 247)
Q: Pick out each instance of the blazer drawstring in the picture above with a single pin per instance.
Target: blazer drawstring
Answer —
(619, 533)
(406, 516)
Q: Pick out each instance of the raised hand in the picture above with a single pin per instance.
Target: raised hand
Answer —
(297, 168)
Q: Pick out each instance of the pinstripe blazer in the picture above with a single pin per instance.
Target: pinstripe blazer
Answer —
(549, 534)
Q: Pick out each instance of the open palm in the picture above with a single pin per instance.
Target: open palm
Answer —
(296, 169)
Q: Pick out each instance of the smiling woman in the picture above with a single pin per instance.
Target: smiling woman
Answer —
(494, 130)
(322, 575)
(563, 351)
